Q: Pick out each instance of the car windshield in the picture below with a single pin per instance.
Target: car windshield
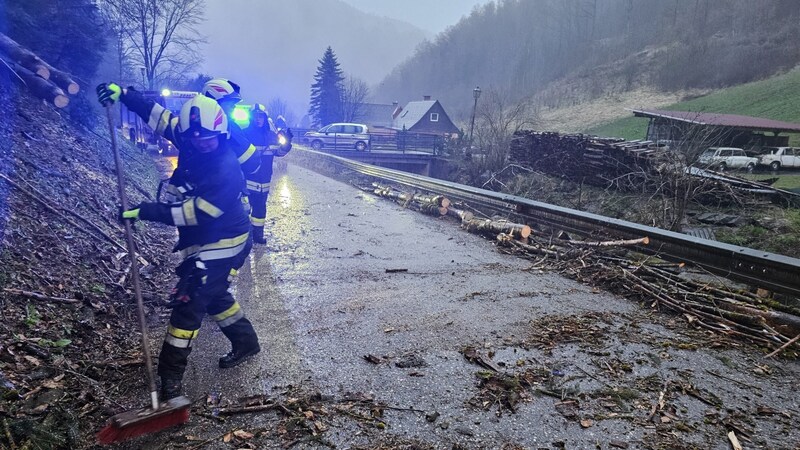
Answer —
(773, 151)
(708, 153)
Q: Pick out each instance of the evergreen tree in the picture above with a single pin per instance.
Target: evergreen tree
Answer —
(326, 92)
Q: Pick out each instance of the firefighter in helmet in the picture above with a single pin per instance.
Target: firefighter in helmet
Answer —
(227, 94)
(269, 143)
(213, 229)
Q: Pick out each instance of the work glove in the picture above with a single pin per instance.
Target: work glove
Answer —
(130, 214)
(109, 93)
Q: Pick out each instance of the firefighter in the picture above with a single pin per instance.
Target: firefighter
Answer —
(270, 143)
(227, 94)
(213, 230)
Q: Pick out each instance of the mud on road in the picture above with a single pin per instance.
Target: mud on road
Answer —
(384, 328)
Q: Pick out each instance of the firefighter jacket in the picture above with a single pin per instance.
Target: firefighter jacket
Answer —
(246, 152)
(204, 192)
(266, 141)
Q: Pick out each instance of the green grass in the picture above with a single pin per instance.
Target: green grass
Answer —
(775, 98)
(789, 182)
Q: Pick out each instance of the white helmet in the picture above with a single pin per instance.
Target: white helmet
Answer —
(221, 89)
(202, 117)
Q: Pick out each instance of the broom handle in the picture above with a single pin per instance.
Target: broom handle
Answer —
(148, 360)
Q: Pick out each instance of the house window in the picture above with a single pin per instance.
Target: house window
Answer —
(434, 117)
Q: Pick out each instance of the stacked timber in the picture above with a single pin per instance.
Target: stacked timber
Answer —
(580, 155)
(41, 79)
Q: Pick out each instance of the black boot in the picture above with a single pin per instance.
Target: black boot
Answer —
(237, 356)
(258, 235)
(170, 388)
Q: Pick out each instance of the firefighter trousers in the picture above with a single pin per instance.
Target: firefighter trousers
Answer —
(258, 213)
(210, 297)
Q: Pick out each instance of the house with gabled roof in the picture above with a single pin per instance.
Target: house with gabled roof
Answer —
(425, 117)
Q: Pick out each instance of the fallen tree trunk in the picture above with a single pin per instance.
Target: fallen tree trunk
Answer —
(42, 88)
(33, 63)
(495, 227)
(463, 215)
(24, 57)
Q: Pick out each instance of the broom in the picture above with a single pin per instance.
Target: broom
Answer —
(158, 416)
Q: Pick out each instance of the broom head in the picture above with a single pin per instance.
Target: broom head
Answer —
(130, 424)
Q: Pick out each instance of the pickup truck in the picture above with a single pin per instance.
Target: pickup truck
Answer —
(722, 158)
(781, 157)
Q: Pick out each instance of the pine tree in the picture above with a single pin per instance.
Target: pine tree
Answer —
(326, 92)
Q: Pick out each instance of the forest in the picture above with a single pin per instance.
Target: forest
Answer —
(560, 52)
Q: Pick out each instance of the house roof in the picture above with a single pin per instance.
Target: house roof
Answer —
(721, 120)
(412, 113)
(376, 114)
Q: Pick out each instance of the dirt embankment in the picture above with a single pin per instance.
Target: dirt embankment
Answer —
(69, 352)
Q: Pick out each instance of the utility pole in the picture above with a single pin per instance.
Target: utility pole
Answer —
(475, 94)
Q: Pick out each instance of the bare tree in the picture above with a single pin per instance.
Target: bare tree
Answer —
(278, 107)
(161, 34)
(497, 118)
(354, 93)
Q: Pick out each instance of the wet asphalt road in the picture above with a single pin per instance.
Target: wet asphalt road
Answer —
(320, 298)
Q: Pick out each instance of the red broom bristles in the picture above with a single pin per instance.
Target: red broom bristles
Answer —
(113, 433)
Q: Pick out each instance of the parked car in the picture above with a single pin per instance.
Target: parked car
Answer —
(339, 135)
(723, 158)
(781, 157)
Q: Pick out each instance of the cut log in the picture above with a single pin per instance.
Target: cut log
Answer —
(24, 57)
(64, 81)
(32, 62)
(42, 88)
(494, 227)
(463, 215)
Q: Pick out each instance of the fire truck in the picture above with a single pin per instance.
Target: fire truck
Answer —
(137, 130)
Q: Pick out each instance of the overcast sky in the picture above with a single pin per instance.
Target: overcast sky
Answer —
(430, 15)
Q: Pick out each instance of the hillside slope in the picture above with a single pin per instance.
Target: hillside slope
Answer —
(572, 51)
(69, 355)
(773, 98)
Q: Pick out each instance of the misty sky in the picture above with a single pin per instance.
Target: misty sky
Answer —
(430, 15)
(272, 47)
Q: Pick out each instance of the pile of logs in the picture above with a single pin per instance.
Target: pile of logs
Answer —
(628, 165)
(42, 80)
(614, 266)
(581, 155)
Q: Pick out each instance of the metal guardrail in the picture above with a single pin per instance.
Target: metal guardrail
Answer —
(757, 268)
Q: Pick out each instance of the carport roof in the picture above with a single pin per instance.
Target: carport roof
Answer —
(721, 120)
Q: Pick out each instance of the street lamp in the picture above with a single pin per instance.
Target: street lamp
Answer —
(144, 83)
(475, 94)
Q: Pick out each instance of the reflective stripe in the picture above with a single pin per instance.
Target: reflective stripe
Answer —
(208, 208)
(257, 187)
(177, 216)
(229, 316)
(189, 213)
(184, 214)
(181, 333)
(155, 115)
(258, 221)
(163, 121)
(224, 248)
(180, 338)
(179, 343)
(247, 154)
(232, 274)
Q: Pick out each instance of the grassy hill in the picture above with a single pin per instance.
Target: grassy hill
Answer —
(774, 98)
